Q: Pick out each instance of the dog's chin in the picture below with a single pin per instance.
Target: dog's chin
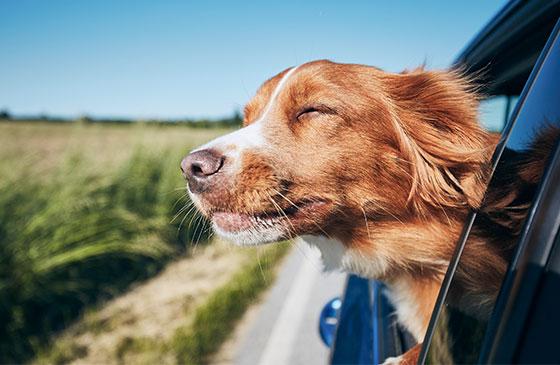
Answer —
(246, 230)
(254, 229)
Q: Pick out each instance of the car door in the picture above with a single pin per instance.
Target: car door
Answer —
(524, 319)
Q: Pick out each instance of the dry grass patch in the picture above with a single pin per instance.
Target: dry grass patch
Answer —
(182, 315)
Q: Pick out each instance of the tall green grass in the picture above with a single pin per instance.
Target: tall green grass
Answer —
(81, 235)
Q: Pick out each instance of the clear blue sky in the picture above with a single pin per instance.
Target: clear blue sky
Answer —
(177, 59)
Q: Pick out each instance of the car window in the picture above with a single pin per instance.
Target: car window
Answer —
(495, 111)
(468, 305)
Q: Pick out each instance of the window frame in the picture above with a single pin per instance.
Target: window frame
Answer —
(489, 351)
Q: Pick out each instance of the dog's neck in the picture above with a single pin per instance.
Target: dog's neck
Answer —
(412, 258)
(413, 288)
(414, 300)
(413, 297)
(390, 252)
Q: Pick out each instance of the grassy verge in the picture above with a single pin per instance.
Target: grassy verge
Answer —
(203, 326)
(84, 212)
(215, 320)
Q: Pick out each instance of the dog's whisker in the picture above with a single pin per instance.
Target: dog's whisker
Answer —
(173, 190)
(188, 213)
(190, 205)
(367, 224)
(286, 199)
(193, 244)
(178, 214)
(178, 200)
(191, 209)
(183, 221)
(280, 210)
(265, 258)
(298, 208)
(260, 267)
(196, 217)
(321, 229)
(284, 214)
(198, 229)
(204, 228)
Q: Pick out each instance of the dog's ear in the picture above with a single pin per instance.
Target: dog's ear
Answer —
(436, 123)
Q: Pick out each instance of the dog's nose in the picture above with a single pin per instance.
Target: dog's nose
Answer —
(199, 168)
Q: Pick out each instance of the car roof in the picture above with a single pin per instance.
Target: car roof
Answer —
(506, 49)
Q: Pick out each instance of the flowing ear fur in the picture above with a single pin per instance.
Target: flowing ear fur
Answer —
(435, 116)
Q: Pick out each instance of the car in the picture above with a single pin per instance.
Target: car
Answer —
(517, 55)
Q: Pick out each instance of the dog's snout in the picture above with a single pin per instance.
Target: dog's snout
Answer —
(199, 168)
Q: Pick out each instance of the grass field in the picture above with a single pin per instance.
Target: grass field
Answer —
(181, 316)
(85, 211)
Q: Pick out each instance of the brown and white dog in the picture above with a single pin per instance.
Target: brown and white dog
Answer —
(378, 170)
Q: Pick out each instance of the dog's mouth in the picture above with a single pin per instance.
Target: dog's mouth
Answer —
(298, 218)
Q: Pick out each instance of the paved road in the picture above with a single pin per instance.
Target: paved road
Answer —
(286, 328)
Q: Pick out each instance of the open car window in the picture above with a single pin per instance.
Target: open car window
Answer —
(496, 110)
(464, 308)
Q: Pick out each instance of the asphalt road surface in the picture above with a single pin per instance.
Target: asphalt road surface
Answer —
(285, 330)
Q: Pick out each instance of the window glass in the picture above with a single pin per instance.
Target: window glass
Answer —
(469, 303)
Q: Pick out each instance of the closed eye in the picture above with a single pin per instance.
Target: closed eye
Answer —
(313, 111)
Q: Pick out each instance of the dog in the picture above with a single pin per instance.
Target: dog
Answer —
(377, 170)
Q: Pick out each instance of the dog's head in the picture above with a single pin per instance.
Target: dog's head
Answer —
(344, 151)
